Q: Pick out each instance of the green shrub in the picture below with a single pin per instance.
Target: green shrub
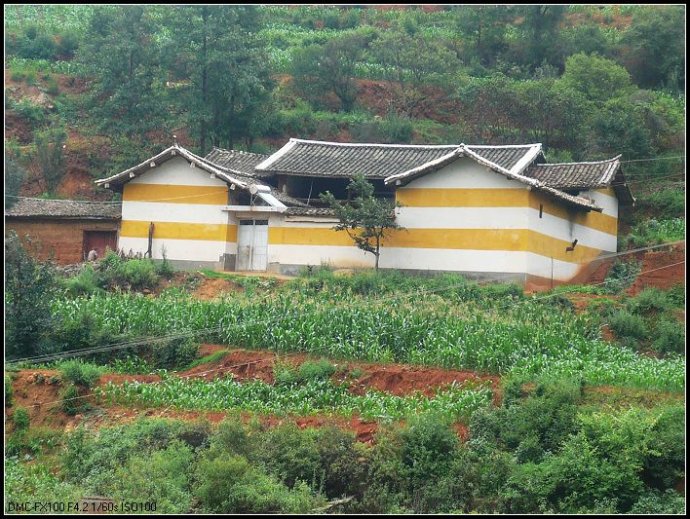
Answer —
(670, 337)
(291, 454)
(71, 402)
(666, 203)
(342, 463)
(316, 370)
(20, 417)
(80, 373)
(174, 354)
(284, 373)
(653, 502)
(549, 415)
(427, 447)
(136, 274)
(233, 437)
(163, 477)
(85, 283)
(231, 485)
(29, 288)
(665, 461)
(621, 275)
(625, 324)
(648, 301)
(676, 295)
(9, 392)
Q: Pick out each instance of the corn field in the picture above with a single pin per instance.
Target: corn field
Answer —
(312, 397)
(523, 336)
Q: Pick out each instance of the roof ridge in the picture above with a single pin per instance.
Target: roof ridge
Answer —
(374, 144)
(505, 145)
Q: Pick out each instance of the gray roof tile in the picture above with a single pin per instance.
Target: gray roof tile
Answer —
(238, 162)
(36, 207)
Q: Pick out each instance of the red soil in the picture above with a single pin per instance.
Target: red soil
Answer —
(39, 390)
(663, 278)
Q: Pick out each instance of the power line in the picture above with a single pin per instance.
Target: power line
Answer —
(652, 159)
(632, 251)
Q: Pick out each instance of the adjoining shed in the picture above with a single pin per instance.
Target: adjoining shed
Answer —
(65, 230)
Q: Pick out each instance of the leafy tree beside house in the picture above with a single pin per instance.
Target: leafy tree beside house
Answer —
(365, 218)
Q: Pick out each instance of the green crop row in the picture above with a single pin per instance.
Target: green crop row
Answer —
(525, 336)
(311, 397)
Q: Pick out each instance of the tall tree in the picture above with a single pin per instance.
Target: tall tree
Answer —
(411, 62)
(121, 47)
(219, 51)
(330, 68)
(654, 47)
(365, 218)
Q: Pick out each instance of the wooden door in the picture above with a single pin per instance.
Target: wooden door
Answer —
(99, 240)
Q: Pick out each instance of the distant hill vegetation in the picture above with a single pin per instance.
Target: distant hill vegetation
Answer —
(92, 89)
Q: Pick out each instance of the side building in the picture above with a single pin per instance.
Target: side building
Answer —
(64, 230)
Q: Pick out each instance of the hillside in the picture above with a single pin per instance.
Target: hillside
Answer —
(572, 78)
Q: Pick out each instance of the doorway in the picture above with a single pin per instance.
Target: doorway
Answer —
(252, 245)
(100, 241)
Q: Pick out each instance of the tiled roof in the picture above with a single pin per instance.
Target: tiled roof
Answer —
(329, 159)
(35, 207)
(376, 161)
(239, 162)
(576, 175)
(167, 154)
(583, 176)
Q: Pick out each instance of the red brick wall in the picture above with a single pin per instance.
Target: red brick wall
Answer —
(61, 239)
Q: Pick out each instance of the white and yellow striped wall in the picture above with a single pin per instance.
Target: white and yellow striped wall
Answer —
(186, 206)
(462, 218)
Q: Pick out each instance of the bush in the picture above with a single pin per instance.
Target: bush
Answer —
(621, 275)
(657, 503)
(231, 485)
(80, 373)
(665, 204)
(29, 287)
(670, 337)
(85, 283)
(342, 463)
(20, 417)
(174, 354)
(71, 402)
(665, 461)
(50, 156)
(291, 454)
(136, 274)
(649, 300)
(319, 370)
(625, 324)
(163, 478)
(676, 295)
(9, 392)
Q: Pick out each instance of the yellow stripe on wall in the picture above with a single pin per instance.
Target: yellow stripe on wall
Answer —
(216, 195)
(418, 197)
(307, 236)
(592, 219)
(461, 197)
(470, 239)
(179, 231)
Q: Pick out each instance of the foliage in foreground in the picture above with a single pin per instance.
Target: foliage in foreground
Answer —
(536, 453)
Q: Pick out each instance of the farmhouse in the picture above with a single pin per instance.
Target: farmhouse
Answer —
(491, 212)
(64, 230)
